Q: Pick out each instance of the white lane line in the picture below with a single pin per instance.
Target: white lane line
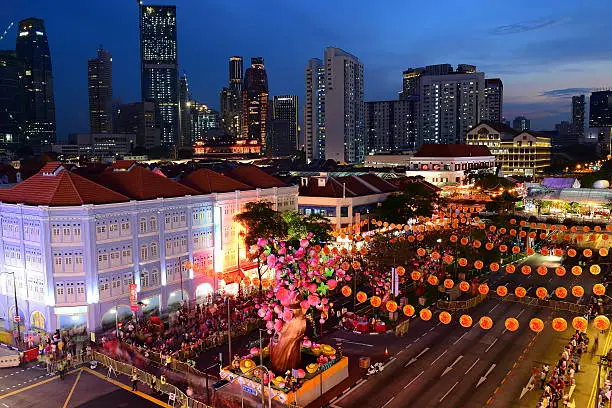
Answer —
(492, 344)
(5, 405)
(493, 308)
(520, 313)
(472, 366)
(505, 330)
(448, 392)
(457, 341)
(432, 328)
(346, 395)
(388, 402)
(413, 380)
(353, 342)
(437, 358)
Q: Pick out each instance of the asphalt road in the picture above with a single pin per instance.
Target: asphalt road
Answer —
(451, 366)
(16, 377)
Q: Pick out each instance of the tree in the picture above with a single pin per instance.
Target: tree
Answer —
(415, 200)
(260, 221)
(300, 226)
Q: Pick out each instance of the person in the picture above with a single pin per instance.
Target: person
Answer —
(61, 367)
(134, 380)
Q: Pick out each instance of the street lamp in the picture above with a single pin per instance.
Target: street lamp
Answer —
(16, 317)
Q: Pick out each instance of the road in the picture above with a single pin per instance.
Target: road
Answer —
(450, 366)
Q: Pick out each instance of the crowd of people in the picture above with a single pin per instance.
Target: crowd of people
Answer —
(557, 382)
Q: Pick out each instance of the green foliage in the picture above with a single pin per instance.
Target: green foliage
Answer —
(299, 226)
(490, 181)
(415, 200)
(261, 221)
(502, 203)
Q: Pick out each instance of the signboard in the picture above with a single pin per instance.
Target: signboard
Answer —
(250, 390)
(92, 336)
(171, 396)
(17, 318)
(133, 298)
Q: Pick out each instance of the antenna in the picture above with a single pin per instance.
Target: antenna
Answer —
(6, 31)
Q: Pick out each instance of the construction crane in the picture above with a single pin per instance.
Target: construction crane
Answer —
(6, 31)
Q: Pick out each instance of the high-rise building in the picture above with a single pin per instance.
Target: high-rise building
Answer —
(521, 123)
(255, 103)
(493, 100)
(577, 131)
(203, 119)
(138, 118)
(600, 109)
(411, 84)
(230, 111)
(11, 98)
(185, 104)
(279, 139)
(100, 89)
(391, 125)
(334, 113)
(159, 67)
(39, 105)
(235, 74)
(285, 108)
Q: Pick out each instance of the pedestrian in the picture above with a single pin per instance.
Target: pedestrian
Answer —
(542, 379)
(134, 380)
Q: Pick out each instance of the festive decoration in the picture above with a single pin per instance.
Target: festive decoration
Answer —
(525, 269)
(520, 291)
(511, 324)
(576, 270)
(578, 291)
(464, 286)
(537, 325)
(560, 271)
(601, 322)
(501, 291)
(579, 323)
(375, 301)
(361, 297)
(400, 270)
(542, 270)
(346, 291)
(595, 269)
(483, 289)
(408, 310)
(463, 262)
(494, 267)
(445, 317)
(561, 292)
(465, 320)
(541, 292)
(485, 322)
(559, 324)
(571, 252)
(587, 252)
(599, 289)
(478, 265)
(415, 275)
(510, 268)
(603, 251)
(433, 280)
(391, 306)
(425, 314)
(448, 283)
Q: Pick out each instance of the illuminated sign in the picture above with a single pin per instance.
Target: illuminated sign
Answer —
(70, 310)
(133, 297)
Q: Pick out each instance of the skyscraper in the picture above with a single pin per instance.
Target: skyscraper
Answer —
(185, 104)
(100, 89)
(138, 118)
(577, 130)
(493, 100)
(231, 99)
(391, 125)
(334, 88)
(285, 108)
(11, 98)
(600, 109)
(159, 67)
(235, 74)
(255, 103)
(39, 106)
(521, 123)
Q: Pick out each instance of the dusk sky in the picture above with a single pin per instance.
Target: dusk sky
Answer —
(544, 51)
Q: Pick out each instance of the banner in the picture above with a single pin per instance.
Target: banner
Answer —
(133, 298)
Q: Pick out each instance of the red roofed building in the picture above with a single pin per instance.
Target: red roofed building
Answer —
(254, 177)
(207, 181)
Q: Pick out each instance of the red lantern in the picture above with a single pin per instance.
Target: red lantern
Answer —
(478, 265)
(375, 301)
(578, 291)
(599, 289)
(542, 270)
(463, 262)
(486, 322)
(415, 275)
(577, 270)
(494, 267)
(579, 323)
(361, 297)
(510, 268)
(537, 325)
(465, 320)
(511, 324)
(425, 314)
(595, 269)
(346, 291)
(408, 310)
(526, 269)
(601, 322)
(448, 283)
(501, 291)
(391, 306)
(520, 292)
(561, 292)
(445, 317)
(559, 324)
(483, 289)
(464, 286)
(541, 292)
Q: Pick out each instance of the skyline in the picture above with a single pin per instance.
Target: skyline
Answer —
(519, 49)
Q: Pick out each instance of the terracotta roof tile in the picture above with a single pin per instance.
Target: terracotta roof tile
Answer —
(122, 164)
(254, 177)
(381, 184)
(207, 181)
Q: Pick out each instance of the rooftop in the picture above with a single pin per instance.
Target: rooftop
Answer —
(346, 186)
(452, 150)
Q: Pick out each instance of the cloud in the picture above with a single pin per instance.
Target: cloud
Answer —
(566, 93)
(525, 26)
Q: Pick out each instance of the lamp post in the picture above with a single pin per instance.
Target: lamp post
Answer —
(16, 306)
(206, 375)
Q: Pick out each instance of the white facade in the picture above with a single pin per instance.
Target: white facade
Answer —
(448, 170)
(73, 265)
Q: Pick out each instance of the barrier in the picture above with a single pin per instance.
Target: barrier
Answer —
(455, 305)
(554, 304)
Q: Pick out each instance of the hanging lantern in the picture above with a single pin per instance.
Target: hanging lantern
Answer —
(476, 244)
(526, 269)
(375, 301)
(537, 325)
(559, 324)
(512, 221)
(542, 235)
(579, 323)
(448, 259)
(489, 246)
(501, 290)
(511, 324)
(464, 286)
(421, 252)
(478, 265)
(494, 267)
(485, 322)
(433, 280)
(464, 241)
(346, 291)
(411, 238)
(361, 297)
(425, 314)
(400, 270)
(510, 268)
(595, 269)
(513, 232)
(560, 271)
(465, 321)
(448, 283)
(571, 252)
(578, 291)
(576, 270)
(542, 270)
(408, 310)
(561, 292)
(463, 262)
(516, 249)
(445, 317)
(603, 251)
(503, 248)
(587, 252)
(483, 289)
(391, 306)
(545, 251)
(601, 322)
(532, 234)
(420, 237)
(599, 289)
(530, 251)
(492, 228)
(435, 255)
(558, 252)
(453, 238)
(520, 292)
(541, 292)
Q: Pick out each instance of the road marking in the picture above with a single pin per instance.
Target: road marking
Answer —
(472, 366)
(505, 330)
(457, 341)
(484, 377)
(492, 344)
(520, 313)
(413, 359)
(437, 358)
(76, 381)
(450, 367)
(432, 328)
(493, 308)
(388, 402)
(30, 386)
(448, 392)
(413, 380)
(353, 342)
(125, 387)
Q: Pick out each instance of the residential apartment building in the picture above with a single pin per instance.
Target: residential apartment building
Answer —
(391, 125)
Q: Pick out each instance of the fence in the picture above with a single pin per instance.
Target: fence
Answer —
(554, 304)
(455, 305)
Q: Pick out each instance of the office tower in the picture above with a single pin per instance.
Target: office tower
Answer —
(391, 125)
(138, 118)
(411, 82)
(562, 135)
(159, 67)
(285, 108)
(39, 106)
(521, 123)
(203, 119)
(577, 131)
(100, 89)
(185, 104)
(279, 138)
(314, 111)
(255, 103)
(11, 98)
(493, 100)
(230, 111)
(235, 74)
(334, 102)
(600, 109)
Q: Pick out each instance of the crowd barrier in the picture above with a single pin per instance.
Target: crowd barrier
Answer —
(455, 305)
(554, 304)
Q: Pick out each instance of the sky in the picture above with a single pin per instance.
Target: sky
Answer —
(544, 51)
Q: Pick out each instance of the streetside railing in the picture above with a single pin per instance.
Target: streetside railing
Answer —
(554, 304)
(455, 305)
